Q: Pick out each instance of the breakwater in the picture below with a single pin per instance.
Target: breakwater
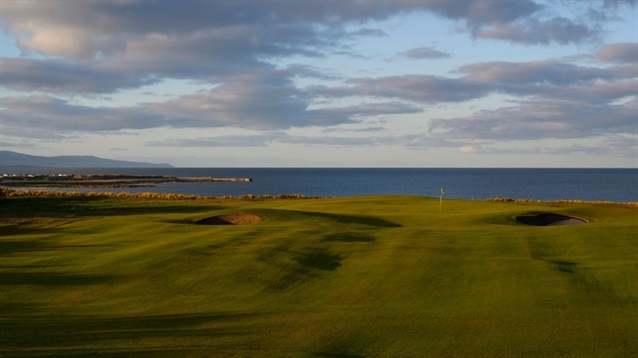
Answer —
(103, 180)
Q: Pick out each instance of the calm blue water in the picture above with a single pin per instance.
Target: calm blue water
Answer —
(544, 184)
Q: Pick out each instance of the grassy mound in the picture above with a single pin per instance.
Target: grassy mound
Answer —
(381, 276)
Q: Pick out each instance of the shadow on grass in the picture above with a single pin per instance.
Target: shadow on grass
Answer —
(25, 229)
(308, 265)
(53, 279)
(15, 308)
(338, 355)
(46, 331)
(30, 266)
(319, 259)
(86, 207)
(349, 237)
(351, 219)
(179, 221)
(11, 247)
(564, 266)
(549, 219)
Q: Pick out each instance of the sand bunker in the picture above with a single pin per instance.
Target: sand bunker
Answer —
(230, 219)
(549, 219)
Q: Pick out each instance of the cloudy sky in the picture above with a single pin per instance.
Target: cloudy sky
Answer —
(293, 83)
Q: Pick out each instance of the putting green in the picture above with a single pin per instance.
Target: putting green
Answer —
(379, 276)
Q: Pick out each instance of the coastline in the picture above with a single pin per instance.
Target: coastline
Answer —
(612, 185)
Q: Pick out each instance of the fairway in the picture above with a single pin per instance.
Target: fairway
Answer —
(377, 276)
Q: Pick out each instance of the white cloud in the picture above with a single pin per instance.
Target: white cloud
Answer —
(619, 52)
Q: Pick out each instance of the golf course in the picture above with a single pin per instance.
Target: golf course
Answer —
(370, 276)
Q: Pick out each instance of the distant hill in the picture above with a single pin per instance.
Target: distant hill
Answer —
(13, 159)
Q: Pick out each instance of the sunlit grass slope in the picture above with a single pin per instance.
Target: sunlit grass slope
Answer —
(384, 276)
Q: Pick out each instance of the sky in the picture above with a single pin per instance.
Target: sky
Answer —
(294, 83)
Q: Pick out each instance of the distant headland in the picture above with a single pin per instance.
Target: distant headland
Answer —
(14, 159)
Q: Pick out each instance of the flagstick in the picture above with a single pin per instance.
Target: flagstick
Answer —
(441, 200)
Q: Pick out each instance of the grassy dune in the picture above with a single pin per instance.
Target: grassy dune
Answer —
(382, 276)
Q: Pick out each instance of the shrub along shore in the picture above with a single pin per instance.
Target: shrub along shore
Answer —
(146, 195)
(6, 192)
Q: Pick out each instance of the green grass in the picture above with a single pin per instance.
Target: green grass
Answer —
(383, 276)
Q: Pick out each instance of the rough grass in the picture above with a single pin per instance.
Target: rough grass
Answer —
(382, 276)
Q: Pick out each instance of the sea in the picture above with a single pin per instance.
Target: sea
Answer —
(617, 185)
